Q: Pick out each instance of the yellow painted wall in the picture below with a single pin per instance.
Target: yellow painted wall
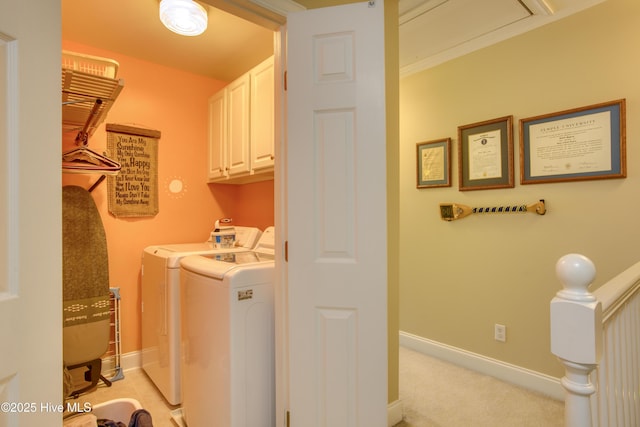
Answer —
(457, 279)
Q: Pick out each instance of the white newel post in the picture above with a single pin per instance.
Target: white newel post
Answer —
(576, 335)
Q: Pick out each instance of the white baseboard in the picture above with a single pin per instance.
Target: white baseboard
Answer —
(131, 361)
(394, 413)
(522, 377)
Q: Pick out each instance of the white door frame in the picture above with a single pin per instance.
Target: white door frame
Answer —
(281, 308)
(30, 214)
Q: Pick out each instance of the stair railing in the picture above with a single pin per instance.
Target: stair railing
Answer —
(596, 336)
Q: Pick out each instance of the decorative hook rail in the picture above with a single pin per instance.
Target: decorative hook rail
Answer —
(453, 211)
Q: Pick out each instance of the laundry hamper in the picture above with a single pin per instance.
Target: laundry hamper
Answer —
(117, 410)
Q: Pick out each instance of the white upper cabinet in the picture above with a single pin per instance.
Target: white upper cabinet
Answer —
(217, 136)
(238, 98)
(262, 116)
(241, 128)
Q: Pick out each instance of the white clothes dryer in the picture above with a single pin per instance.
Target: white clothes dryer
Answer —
(228, 338)
(161, 307)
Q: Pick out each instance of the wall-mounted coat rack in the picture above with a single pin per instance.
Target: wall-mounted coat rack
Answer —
(453, 211)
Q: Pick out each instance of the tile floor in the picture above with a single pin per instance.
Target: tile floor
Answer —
(135, 385)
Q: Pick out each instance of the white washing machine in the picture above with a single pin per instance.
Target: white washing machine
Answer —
(161, 307)
(228, 338)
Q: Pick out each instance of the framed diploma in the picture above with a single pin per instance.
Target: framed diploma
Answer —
(434, 164)
(485, 154)
(574, 145)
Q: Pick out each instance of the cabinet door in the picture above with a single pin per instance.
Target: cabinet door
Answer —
(262, 117)
(217, 136)
(238, 126)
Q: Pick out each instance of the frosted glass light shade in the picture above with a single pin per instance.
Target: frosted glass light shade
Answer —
(185, 17)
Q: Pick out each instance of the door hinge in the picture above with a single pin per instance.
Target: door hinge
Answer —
(286, 250)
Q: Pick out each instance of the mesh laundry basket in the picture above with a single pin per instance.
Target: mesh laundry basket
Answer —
(89, 64)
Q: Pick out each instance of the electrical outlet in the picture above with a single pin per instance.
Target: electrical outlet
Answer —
(500, 333)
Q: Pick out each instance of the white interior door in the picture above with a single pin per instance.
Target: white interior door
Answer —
(30, 212)
(336, 195)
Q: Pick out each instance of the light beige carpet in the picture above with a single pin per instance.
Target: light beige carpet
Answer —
(438, 394)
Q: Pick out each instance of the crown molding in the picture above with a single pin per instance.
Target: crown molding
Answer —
(281, 7)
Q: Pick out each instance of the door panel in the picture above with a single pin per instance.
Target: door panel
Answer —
(238, 125)
(30, 214)
(218, 135)
(336, 192)
(262, 115)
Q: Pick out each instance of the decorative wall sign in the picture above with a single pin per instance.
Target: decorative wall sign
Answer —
(485, 154)
(574, 145)
(134, 191)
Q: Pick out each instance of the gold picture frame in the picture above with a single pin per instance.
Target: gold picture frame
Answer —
(433, 163)
(485, 154)
(580, 144)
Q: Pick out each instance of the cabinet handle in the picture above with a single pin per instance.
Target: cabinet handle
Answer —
(272, 157)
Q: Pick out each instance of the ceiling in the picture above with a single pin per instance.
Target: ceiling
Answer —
(431, 31)
(435, 31)
(228, 48)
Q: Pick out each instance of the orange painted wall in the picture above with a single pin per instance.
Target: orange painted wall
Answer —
(175, 103)
(253, 204)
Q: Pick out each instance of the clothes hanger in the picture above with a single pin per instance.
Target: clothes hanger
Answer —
(85, 160)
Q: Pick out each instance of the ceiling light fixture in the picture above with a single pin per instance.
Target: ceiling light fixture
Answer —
(185, 17)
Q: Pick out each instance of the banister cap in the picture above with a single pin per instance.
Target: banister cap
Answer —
(576, 272)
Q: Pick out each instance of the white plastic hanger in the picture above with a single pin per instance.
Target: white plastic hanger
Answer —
(85, 160)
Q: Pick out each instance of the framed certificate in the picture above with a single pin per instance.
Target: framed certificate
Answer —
(485, 154)
(433, 163)
(574, 145)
